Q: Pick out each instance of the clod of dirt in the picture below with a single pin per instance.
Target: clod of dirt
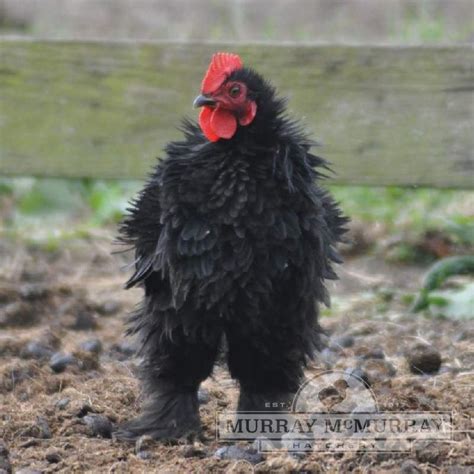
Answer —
(122, 351)
(39, 430)
(92, 345)
(81, 410)
(375, 353)
(84, 321)
(53, 457)
(108, 308)
(203, 396)
(423, 359)
(98, 426)
(59, 361)
(37, 350)
(18, 314)
(344, 341)
(237, 452)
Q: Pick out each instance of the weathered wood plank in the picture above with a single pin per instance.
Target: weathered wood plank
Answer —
(385, 115)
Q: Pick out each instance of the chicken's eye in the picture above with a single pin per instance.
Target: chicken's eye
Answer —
(234, 91)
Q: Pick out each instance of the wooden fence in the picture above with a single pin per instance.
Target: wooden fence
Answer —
(385, 115)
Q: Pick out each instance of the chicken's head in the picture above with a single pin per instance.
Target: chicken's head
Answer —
(226, 103)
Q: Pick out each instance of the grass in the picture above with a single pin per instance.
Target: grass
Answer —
(46, 211)
(411, 210)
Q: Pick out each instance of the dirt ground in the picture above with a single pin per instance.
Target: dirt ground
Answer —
(61, 421)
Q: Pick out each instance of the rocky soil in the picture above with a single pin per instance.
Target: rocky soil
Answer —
(67, 373)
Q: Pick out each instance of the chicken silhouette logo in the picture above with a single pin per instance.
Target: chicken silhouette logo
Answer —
(335, 392)
(333, 395)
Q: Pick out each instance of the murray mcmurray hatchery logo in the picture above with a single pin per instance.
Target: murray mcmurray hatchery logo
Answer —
(334, 411)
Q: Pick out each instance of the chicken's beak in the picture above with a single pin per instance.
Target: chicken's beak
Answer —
(202, 100)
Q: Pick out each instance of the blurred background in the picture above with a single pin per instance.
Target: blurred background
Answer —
(412, 225)
(62, 310)
(353, 21)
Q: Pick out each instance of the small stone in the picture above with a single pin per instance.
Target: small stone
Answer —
(409, 467)
(203, 396)
(341, 342)
(236, 452)
(92, 345)
(53, 457)
(27, 470)
(144, 455)
(39, 430)
(85, 320)
(144, 443)
(37, 350)
(123, 350)
(108, 308)
(60, 360)
(376, 353)
(43, 427)
(423, 359)
(99, 425)
(359, 373)
(63, 403)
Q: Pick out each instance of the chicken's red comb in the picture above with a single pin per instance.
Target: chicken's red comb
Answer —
(222, 64)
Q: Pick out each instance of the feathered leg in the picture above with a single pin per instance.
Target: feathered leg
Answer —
(178, 349)
(268, 351)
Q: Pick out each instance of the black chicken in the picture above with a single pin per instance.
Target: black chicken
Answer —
(233, 238)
